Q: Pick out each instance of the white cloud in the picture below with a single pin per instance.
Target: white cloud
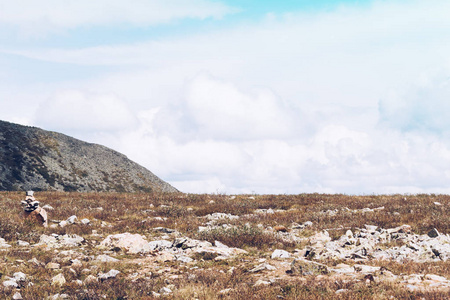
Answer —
(46, 16)
(80, 111)
(294, 104)
(219, 110)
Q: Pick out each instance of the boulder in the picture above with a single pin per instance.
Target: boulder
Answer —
(132, 243)
(38, 215)
(306, 267)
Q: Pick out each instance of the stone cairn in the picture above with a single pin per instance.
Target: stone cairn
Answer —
(33, 211)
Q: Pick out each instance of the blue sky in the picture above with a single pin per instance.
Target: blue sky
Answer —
(241, 96)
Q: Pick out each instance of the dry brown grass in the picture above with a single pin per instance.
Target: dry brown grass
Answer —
(140, 213)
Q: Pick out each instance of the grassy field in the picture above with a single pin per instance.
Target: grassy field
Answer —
(253, 229)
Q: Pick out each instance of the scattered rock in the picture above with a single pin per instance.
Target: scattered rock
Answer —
(90, 279)
(111, 274)
(165, 291)
(22, 243)
(48, 207)
(4, 244)
(52, 266)
(280, 254)
(59, 280)
(262, 267)
(132, 243)
(72, 220)
(261, 282)
(306, 267)
(10, 283)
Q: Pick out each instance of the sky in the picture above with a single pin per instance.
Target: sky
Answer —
(242, 96)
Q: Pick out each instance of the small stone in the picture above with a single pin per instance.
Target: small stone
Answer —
(20, 277)
(261, 282)
(52, 266)
(22, 243)
(308, 223)
(85, 221)
(90, 279)
(225, 291)
(78, 282)
(111, 274)
(341, 291)
(306, 267)
(165, 290)
(437, 203)
(72, 219)
(433, 233)
(63, 224)
(48, 207)
(10, 283)
(17, 296)
(371, 228)
(59, 280)
(278, 253)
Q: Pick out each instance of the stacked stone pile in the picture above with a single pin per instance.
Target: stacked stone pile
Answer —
(33, 211)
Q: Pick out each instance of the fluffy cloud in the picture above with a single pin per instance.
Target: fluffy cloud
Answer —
(74, 111)
(219, 110)
(52, 15)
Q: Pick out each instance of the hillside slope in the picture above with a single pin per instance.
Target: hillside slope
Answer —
(32, 158)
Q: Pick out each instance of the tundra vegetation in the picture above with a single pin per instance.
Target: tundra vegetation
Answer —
(214, 246)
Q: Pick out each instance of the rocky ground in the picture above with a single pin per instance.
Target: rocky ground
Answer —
(128, 246)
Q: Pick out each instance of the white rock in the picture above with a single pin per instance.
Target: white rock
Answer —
(3, 243)
(17, 296)
(220, 245)
(48, 207)
(72, 219)
(371, 228)
(308, 223)
(165, 290)
(63, 224)
(20, 277)
(261, 282)
(133, 243)
(111, 274)
(90, 279)
(85, 221)
(160, 245)
(59, 280)
(22, 243)
(278, 253)
(10, 283)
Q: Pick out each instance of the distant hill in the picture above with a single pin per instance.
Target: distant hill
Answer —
(36, 159)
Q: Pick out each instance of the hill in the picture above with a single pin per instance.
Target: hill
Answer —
(32, 158)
